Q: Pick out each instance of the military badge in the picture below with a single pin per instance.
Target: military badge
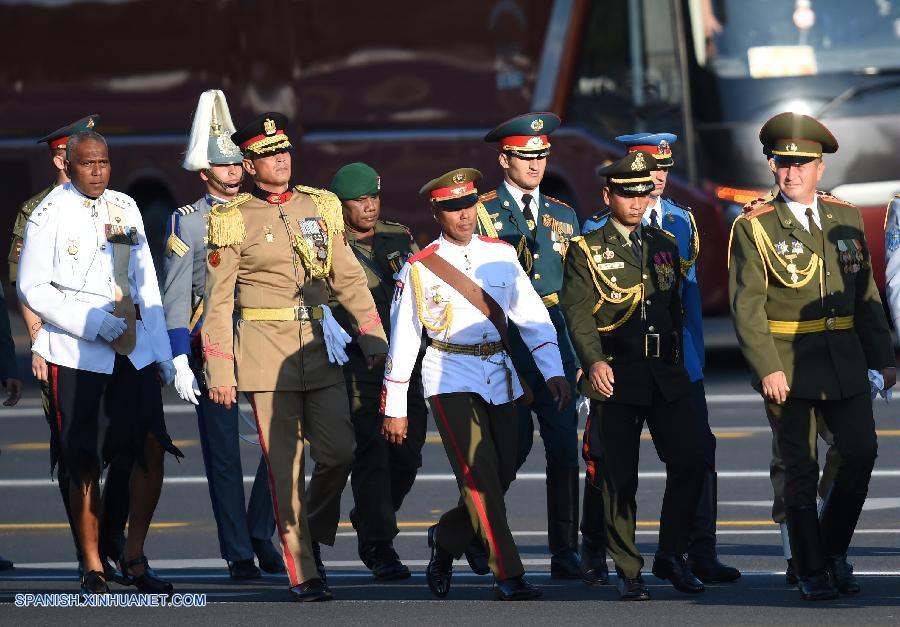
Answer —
(613, 265)
(270, 237)
(537, 124)
(395, 261)
(670, 217)
(608, 253)
(615, 295)
(214, 259)
(892, 241)
(781, 247)
(530, 224)
(398, 290)
(796, 248)
(850, 255)
(664, 264)
(269, 126)
(313, 230)
(73, 247)
(118, 234)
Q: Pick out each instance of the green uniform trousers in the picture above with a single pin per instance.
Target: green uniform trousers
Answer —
(305, 514)
(615, 434)
(776, 469)
(481, 441)
(852, 424)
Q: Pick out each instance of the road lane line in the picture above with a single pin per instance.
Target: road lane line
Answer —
(439, 477)
(65, 526)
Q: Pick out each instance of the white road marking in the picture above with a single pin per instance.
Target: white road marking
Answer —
(873, 503)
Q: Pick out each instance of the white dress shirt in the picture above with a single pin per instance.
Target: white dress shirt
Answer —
(66, 278)
(799, 211)
(517, 194)
(656, 203)
(494, 266)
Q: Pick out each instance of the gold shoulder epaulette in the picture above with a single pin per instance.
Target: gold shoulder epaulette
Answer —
(758, 207)
(328, 205)
(558, 201)
(226, 222)
(577, 238)
(488, 195)
(828, 197)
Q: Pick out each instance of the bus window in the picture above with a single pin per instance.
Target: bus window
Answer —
(627, 77)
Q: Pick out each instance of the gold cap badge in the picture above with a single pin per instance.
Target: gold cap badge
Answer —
(537, 124)
(269, 126)
(459, 177)
(638, 163)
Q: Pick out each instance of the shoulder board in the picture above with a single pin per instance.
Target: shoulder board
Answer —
(423, 253)
(558, 201)
(491, 195)
(599, 215)
(29, 205)
(668, 234)
(122, 199)
(758, 207)
(493, 240)
(313, 191)
(328, 205)
(226, 223)
(186, 210)
(676, 203)
(577, 238)
(395, 225)
(829, 198)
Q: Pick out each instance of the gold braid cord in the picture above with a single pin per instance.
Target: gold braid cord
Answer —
(484, 219)
(635, 292)
(329, 209)
(524, 254)
(226, 222)
(764, 246)
(695, 247)
(446, 318)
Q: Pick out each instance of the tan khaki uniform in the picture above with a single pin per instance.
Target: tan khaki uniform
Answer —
(283, 365)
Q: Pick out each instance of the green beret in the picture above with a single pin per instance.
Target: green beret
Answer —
(355, 180)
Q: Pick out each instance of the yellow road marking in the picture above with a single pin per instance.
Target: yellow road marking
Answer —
(887, 433)
(44, 446)
(181, 443)
(54, 526)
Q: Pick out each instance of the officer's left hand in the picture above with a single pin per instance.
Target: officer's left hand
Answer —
(14, 390)
(376, 360)
(560, 390)
(890, 377)
(167, 371)
(394, 429)
(578, 374)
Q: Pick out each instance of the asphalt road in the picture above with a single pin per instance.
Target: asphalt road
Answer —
(183, 544)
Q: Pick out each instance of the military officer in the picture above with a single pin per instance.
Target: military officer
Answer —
(382, 473)
(242, 530)
(459, 290)
(810, 323)
(274, 253)
(621, 299)
(892, 258)
(86, 271)
(115, 488)
(677, 220)
(539, 227)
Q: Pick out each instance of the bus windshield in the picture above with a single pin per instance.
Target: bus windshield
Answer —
(780, 38)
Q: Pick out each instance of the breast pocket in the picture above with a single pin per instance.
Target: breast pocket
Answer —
(498, 287)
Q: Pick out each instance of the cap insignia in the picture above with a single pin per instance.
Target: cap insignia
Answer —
(269, 126)
(792, 147)
(663, 146)
(459, 177)
(90, 123)
(638, 163)
(534, 141)
(537, 124)
(378, 183)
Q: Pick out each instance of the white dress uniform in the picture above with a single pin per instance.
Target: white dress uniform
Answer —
(892, 259)
(66, 277)
(493, 265)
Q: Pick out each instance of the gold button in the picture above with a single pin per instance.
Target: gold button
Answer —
(651, 329)
(827, 274)
(537, 255)
(830, 323)
(644, 275)
(537, 275)
(647, 301)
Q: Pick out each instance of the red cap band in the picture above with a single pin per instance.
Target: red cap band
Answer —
(59, 142)
(533, 142)
(454, 191)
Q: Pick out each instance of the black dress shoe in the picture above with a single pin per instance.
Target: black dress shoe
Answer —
(790, 575)
(841, 573)
(243, 569)
(386, 564)
(516, 589)
(320, 565)
(594, 570)
(477, 556)
(711, 570)
(816, 588)
(6, 564)
(675, 569)
(311, 591)
(565, 565)
(93, 582)
(440, 567)
(148, 581)
(632, 589)
(268, 556)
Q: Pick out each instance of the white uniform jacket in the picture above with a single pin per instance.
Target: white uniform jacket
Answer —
(421, 300)
(66, 278)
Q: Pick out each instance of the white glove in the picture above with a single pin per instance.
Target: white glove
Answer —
(876, 380)
(166, 371)
(185, 381)
(583, 407)
(336, 339)
(112, 327)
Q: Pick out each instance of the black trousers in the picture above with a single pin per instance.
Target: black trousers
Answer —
(852, 425)
(615, 439)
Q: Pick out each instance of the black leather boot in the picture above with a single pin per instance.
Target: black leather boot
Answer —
(702, 556)
(838, 521)
(562, 522)
(594, 570)
(439, 571)
(806, 546)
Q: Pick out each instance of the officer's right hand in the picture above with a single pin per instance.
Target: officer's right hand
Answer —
(185, 381)
(775, 387)
(112, 327)
(394, 429)
(38, 367)
(602, 378)
(224, 395)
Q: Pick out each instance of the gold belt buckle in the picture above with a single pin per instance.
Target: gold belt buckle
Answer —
(655, 337)
(301, 313)
(483, 350)
(830, 323)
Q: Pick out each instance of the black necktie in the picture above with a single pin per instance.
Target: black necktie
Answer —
(635, 245)
(814, 229)
(654, 219)
(529, 215)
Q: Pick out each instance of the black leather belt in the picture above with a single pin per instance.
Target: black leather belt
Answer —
(664, 346)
